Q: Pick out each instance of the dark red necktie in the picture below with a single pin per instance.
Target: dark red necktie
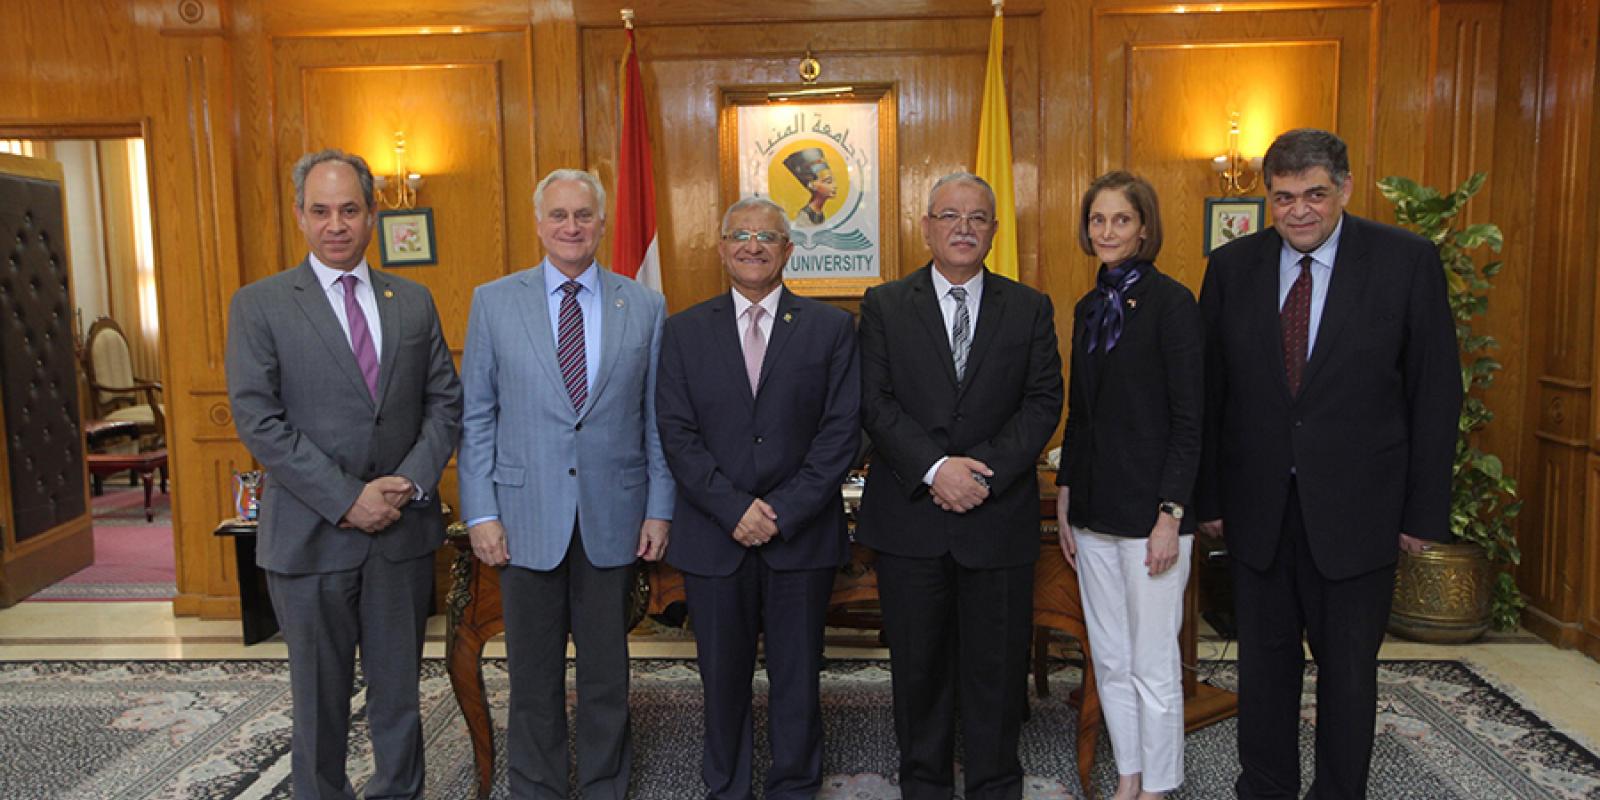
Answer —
(1295, 321)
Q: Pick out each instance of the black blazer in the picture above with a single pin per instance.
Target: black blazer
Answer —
(915, 413)
(1371, 436)
(1134, 415)
(791, 444)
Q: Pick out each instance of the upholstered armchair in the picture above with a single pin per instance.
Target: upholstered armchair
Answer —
(115, 393)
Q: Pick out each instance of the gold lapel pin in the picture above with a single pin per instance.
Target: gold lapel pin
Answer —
(619, 302)
(1132, 303)
(388, 293)
(788, 317)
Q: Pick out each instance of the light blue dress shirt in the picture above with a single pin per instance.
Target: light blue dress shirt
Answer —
(1321, 275)
(588, 303)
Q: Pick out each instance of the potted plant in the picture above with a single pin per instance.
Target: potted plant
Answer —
(1456, 591)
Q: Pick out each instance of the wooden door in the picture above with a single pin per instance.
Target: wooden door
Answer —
(44, 489)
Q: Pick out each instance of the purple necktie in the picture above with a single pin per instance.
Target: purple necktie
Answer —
(360, 335)
(1295, 319)
(570, 352)
(755, 347)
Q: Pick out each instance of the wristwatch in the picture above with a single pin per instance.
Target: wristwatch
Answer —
(1171, 509)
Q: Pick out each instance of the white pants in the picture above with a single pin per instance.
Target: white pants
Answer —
(1133, 622)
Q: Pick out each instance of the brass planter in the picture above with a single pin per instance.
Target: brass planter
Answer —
(1442, 595)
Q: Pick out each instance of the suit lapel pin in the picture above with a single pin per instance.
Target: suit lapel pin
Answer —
(388, 294)
(619, 302)
(788, 316)
(1132, 303)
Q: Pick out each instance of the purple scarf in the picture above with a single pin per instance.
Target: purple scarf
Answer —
(1104, 320)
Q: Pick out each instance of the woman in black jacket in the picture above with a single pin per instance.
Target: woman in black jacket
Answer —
(1128, 462)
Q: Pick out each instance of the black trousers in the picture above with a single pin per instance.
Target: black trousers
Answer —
(951, 626)
(728, 614)
(541, 608)
(1343, 621)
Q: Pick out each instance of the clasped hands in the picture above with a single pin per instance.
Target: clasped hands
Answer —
(758, 526)
(378, 506)
(956, 486)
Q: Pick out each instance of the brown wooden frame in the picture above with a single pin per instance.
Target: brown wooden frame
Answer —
(731, 98)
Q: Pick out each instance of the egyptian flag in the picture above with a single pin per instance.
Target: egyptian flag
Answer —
(635, 250)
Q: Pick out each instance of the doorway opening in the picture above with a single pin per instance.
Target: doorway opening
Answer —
(117, 332)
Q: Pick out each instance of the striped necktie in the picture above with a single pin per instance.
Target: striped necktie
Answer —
(569, 347)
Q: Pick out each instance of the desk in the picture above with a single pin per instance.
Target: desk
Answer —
(256, 616)
(473, 616)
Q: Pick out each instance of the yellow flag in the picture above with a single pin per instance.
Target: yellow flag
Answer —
(994, 153)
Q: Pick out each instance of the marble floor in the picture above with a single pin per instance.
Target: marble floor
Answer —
(1562, 685)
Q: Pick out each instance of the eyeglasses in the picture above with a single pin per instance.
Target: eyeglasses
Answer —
(763, 237)
(976, 219)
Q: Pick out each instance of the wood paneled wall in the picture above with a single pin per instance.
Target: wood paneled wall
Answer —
(935, 66)
(494, 94)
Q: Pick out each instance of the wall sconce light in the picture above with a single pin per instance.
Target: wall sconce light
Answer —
(404, 184)
(1237, 174)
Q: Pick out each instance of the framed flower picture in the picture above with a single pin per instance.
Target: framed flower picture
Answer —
(1230, 218)
(405, 238)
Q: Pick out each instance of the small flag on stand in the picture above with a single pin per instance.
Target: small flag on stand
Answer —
(994, 151)
(635, 247)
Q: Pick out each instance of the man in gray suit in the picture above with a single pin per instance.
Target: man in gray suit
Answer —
(564, 484)
(342, 387)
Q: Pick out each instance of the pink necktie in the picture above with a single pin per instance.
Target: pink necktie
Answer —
(360, 335)
(755, 347)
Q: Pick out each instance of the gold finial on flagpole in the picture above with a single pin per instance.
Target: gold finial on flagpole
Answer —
(998, 4)
(627, 18)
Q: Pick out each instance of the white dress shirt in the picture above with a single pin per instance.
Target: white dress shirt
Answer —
(947, 309)
(741, 304)
(328, 279)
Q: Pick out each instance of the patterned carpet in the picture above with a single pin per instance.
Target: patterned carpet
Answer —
(221, 730)
(133, 559)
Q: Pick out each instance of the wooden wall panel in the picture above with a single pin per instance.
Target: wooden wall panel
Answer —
(190, 146)
(1165, 84)
(1084, 77)
(1561, 347)
(936, 67)
(448, 94)
(1174, 88)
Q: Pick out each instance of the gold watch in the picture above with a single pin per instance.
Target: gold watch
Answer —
(1171, 509)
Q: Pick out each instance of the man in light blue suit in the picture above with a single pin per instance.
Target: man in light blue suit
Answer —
(563, 483)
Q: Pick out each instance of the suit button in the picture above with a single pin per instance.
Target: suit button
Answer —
(372, 468)
(578, 427)
(378, 421)
(758, 440)
(1298, 423)
(573, 471)
(958, 417)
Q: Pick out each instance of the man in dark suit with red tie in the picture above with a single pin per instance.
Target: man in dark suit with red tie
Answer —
(757, 401)
(961, 388)
(1333, 386)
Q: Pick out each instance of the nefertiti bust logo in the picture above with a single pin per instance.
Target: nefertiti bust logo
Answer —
(819, 164)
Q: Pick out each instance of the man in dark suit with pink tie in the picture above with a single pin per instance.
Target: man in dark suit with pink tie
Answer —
(757, 401)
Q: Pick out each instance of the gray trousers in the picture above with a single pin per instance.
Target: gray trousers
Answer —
(540, 609)
(382, 607)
